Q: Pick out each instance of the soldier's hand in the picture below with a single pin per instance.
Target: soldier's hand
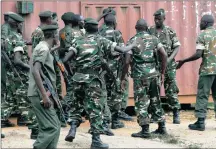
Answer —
(162, 79)
(180, 63)
(46, 102)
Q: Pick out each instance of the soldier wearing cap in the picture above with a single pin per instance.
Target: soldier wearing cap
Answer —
(16, 86)
(42, 59)
(88, 79)
(171, 44)
(37, 35)
(205, 49)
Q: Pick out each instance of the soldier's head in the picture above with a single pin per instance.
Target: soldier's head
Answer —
(6, 16)
(81, 22)
(46, 17)
(206, 21)
(75, 20)
(110, 20)
(141, 25)
(67, 18)
(49, 34)
(91, 25)
(159, 17)
(15, 20)
(109, 10)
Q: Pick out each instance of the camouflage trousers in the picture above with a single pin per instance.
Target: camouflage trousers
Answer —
(125, 96)
(205, 84)
(93, 101)
(147, 101)
(171, 88)
(114, 100)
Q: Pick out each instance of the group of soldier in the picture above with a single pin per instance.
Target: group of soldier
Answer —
(94, 63)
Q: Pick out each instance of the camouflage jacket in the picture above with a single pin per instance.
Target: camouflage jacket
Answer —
(15, 43)
(143, 56)
(113, 58)
(89, 50)
(5, 30)
(206, 41)
(167, 37)
(36, 37)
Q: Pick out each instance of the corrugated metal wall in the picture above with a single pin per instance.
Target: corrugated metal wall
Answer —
(182, 16)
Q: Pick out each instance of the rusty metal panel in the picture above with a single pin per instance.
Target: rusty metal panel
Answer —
(182, 16)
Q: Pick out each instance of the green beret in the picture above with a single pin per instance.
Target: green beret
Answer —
(159, 12)
(108, 9)
(45, 14)
(67, 16)
(49, 28)
(16, 17)
(91, 21)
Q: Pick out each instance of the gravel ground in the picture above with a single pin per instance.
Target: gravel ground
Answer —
(180, 136)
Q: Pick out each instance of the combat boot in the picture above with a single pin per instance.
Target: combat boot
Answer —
(107, 130)
(144, 133)
(161, 129)
(176, 116)
(2, 136)
(34, 134)
(198, 125)
(72, 132)
(116, 123)
(125, 116)
(23, 121)
(6, 123)
(97, 143)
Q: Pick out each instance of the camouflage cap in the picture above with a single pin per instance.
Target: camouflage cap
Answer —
(91, 21)
(16, 17)
(108, 9)
(45, 14)
(67, 16)
(49, 28)
(160, 12)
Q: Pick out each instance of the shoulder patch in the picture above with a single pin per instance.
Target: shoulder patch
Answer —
(62, 35)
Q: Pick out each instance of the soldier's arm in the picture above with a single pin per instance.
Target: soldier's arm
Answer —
(163, 56)
(126, 65)
(175, 44)
(69, 55)
(200, 46)
(19, 62)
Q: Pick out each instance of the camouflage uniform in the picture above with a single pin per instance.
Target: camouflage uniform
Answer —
(89, 77)
(170, 41)
(206, 41)
(36, 37)
(114, 95)
(15, 43)
(145, 76)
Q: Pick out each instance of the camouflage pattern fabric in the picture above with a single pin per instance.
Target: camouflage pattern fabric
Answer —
(125, 96)
(206, 41)
(114, 95)
(36, 37)
(5, 30)
(170, 41)
(90, 76)
(145, 76)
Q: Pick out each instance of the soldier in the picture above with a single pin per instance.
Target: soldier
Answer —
(88, 78)
(42, 66)
(145, 77)
(16, 83)
(114, 95)
(37, 35)
(205, 49)
(168, 38)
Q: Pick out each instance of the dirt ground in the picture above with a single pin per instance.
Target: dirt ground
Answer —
(179, 135)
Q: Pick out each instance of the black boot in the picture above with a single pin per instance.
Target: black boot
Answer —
(116, 123)
(6, 123)
(124, 116)
(34, 134)
(2, 136)
(176, 116)
(198, 125)
(107, 130)
(97, 143)
(144, 133)
(161, 129)
(23, 121)
(72, 132)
